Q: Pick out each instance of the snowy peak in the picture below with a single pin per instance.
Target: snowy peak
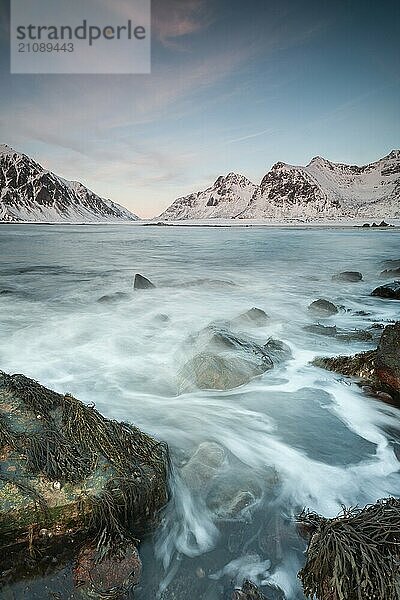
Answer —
(321, 189)
(28, 192)
(226, 198)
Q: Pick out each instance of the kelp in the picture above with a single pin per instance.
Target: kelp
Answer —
(354, 556)
(116, 474)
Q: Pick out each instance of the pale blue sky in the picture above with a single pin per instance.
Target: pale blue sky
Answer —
(235, 86)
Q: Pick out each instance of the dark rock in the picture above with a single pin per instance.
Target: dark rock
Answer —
(254, 316)
(319, 329)
(351, 276)
(248, 591)
(379, 368)
(142, 283)
(323, 308)
(162, 318)
(389, 290)
(387, 363)
(111, 298)
(224, 360)
(106, 577)
(391, 272)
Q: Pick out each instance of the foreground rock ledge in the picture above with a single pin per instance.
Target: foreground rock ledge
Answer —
(64, 467)
(378, 368)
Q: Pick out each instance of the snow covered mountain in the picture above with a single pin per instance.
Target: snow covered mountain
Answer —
(228, 197)
(322, 189)
(30, 193)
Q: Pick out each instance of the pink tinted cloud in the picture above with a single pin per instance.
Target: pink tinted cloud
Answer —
(173, 19)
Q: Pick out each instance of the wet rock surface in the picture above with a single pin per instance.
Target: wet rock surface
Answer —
(112, 577)
(350, 276)
(142, 283)
(224, 360)
(391, 272)
(323, 308)
(391, 291)
(254, 316)
(379, 368)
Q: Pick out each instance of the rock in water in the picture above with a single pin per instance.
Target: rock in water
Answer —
(142, 283)
(248, 591)
(108, 577)
(66, 467)
(254, 316)
(351, 276)
(224, 360)
(387, 362)
(389, 290)
(379, 368)
(323, 308)
(321, 329)
(203, 466)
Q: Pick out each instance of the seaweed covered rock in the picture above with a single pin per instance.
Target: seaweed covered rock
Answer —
(355, 555)
(224, 360)
(379, 368)
(64, 466)
(248, 591)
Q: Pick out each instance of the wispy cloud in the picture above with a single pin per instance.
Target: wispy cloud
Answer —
(178, 18)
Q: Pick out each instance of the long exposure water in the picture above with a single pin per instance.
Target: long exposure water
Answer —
(293, 437)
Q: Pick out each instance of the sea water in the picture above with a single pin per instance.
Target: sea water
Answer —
(294, 437)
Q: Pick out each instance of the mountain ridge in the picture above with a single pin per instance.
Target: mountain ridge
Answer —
(30, 193)
(320, 189)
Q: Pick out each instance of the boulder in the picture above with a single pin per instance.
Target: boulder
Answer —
(142, 283)
(323, 308)
(378, 368)
(350, 276)
(390, 291)
(65, 467)
(353, 335)
(248, 591)
(253, 316)
(224, 360)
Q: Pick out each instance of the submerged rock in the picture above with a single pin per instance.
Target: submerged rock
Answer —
(323, 308)
(379, 368)
(319, 329)
(106, 577)
(142, 283)
(248, 591)
(115, 297)
(224, 360)
(254, 316)
(203, 466)
(65, 467)
(350, 276)
(389, 290)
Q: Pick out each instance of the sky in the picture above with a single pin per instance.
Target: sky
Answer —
(235, 86)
